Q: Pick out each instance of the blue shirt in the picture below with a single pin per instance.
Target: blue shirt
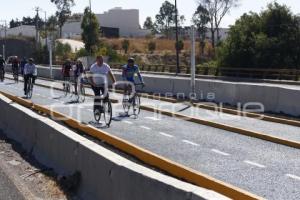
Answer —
(129, 73)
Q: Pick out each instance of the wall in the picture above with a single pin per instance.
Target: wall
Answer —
(104, 174)
(275, 99)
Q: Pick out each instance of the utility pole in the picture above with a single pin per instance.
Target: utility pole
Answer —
(5, 39)
(193, 64)
(37, 9)
(177, 50)
(90, 20)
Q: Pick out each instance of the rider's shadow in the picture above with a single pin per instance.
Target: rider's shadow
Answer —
(98, 125)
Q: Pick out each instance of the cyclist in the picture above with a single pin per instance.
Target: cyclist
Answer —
(15, 67)
(30, 71)
(98, 79)
(79, 70)
(22, 65)
(129, 72)
(2, 66)
(66, 68)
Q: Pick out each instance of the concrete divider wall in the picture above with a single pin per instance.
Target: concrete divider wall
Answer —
(275, 99)
(104, 174)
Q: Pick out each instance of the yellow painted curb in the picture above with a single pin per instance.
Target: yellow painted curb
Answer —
(248, 114)
(172, 168)
(241, 131)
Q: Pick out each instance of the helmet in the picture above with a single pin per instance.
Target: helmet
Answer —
(31, 60)
(131, 60)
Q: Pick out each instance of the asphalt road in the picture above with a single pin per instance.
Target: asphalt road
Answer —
(264, 168)
(8, 190)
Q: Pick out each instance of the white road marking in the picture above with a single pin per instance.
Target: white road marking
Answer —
(127, 122)
(153, 118)
(145, 127)
(189, 142)
(90, 110)
(166, 135)
(220, 152)
(254, 164)
(293, 177)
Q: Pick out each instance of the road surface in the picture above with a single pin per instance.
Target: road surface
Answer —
(263, 168)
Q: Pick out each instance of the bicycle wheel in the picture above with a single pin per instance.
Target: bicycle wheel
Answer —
(82, 94)
(97, 115)
(136, 105)
(29, 89)
(66, 89)
(125, 103)
(1, 75)
(107, 111)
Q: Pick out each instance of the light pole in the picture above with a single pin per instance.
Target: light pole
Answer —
(45, 29)
(5, 37)
(177, 50)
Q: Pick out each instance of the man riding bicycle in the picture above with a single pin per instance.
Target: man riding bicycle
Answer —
(30, 71)
(98, 79)
(66, 68)
(79, 70)
(15, 67)
(129, 72)
(2, 67)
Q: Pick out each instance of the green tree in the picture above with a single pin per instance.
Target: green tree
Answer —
(217, 10)
(179, 45)
(148, 24)
(125, 45)
(151, 46)
(166, 17)
(63, 51)
(90, 34)
(201, 19)
(63, 12)
(269, 40)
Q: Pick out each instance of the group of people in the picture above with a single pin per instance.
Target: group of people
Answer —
(25, 67)
(98, 74)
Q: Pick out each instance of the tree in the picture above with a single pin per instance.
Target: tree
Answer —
(166, 17)
(148, 24)
(151, 46)
(63, 12)
(268, 40)
(63, 51)
(90, 34)
(125, 45)
(15, 23)
(179, 45)
(201, 19)
(217, 10)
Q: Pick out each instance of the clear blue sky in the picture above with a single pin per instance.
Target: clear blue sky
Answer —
(19, 8)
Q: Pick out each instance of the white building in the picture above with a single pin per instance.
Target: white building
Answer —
(126, 20)
(23, 30)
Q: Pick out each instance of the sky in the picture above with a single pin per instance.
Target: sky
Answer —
(19, 8)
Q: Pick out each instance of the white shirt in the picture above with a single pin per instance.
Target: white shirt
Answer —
(30, 69)
(100, 73)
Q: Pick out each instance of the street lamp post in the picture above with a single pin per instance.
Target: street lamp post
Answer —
(5, 38)
(177, 50)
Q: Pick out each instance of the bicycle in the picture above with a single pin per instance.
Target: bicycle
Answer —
(103, 107)
(1, 74)
(29, 89)
(67, 86)
(133, 101)
(16, 75)
(81, 90)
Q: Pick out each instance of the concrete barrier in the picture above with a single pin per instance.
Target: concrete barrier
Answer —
(276, 99)
(104, 174)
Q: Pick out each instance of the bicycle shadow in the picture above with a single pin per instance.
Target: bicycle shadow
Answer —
(98, 125)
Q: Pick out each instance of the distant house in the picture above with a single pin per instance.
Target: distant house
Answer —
(124, 21)
(23, 30)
